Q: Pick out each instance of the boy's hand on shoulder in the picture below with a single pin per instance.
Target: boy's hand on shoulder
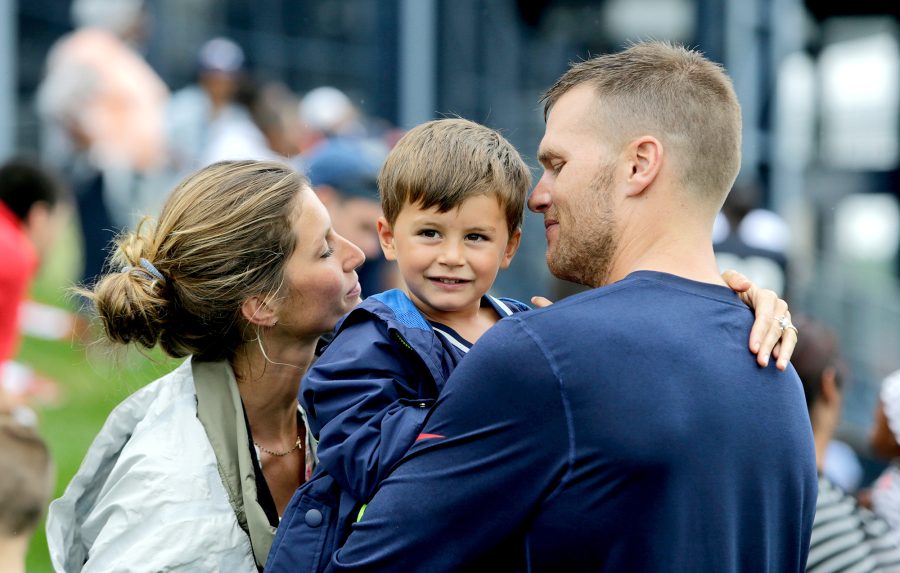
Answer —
(540, 302)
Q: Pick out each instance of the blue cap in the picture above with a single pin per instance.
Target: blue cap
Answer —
(346, 165)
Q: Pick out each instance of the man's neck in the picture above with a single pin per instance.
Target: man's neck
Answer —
(670, 243)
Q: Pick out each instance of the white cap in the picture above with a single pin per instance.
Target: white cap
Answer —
(326, 109)
(116, 16)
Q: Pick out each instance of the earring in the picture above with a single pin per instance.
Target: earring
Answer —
(274, 322)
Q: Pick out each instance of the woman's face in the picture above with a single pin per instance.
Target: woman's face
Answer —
(320, 284)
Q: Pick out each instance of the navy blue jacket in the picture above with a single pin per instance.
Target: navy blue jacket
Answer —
(632, 431)
(366, 398)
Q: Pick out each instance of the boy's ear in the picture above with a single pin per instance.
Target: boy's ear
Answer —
(386, 238)
(511, 247)
(259, 310)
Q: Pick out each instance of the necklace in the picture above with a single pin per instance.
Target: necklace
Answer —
(297, 446)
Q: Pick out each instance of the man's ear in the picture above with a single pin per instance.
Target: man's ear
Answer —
(386, 238)
(511, 247)
(644, 158)
(259, 310)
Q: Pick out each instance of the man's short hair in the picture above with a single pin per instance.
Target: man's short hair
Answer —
(26, 478)
(443, 162)
(24, 183)
(671, 93)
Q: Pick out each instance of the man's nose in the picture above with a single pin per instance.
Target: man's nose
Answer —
(539, 201)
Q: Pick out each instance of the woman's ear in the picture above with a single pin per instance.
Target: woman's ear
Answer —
(386, 238)
(259, 310)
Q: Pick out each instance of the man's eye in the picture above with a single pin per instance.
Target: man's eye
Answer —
(557, 168)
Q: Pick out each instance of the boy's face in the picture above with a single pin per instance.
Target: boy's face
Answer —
(449, 260)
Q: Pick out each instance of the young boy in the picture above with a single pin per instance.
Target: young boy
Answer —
(453, 194)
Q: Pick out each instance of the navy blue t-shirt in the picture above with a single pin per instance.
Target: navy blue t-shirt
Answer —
(627, 428)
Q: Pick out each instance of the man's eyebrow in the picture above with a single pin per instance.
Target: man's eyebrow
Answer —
(546, 156)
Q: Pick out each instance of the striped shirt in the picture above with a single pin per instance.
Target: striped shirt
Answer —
(847, 537)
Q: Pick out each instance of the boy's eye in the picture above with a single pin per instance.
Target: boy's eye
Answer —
(476, 237)
(428, 233)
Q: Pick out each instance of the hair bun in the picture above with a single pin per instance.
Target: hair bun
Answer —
(132, 303)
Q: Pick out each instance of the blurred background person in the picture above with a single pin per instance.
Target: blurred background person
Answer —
(885, 442)
(199, 110)
(752, 240)
(344, 177)
(845, 535)
(26, 482)
(102, 106)
(31, 213)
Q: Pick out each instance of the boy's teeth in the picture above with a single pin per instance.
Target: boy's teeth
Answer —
(450, 281)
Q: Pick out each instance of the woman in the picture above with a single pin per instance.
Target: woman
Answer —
(242, 274)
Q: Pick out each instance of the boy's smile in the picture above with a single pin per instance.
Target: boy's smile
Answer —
(449, 260)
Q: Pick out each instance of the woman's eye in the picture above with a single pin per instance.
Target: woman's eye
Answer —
(328, 252)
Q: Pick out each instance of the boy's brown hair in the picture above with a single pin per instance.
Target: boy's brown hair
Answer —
(26, 478)
(445, 161)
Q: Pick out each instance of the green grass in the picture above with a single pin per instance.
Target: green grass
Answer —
(93, 378)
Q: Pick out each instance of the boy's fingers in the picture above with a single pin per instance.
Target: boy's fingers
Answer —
(540, 302)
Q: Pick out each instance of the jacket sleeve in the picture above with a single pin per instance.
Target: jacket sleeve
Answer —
(148, 500)
(495, 447)
(367, 397)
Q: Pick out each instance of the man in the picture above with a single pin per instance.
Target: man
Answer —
(626, 428)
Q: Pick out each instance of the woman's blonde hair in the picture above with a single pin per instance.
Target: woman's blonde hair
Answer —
(223, 236)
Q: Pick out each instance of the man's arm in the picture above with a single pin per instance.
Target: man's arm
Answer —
(496, 445)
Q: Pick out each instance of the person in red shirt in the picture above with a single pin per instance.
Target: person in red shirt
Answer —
(29, 197)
